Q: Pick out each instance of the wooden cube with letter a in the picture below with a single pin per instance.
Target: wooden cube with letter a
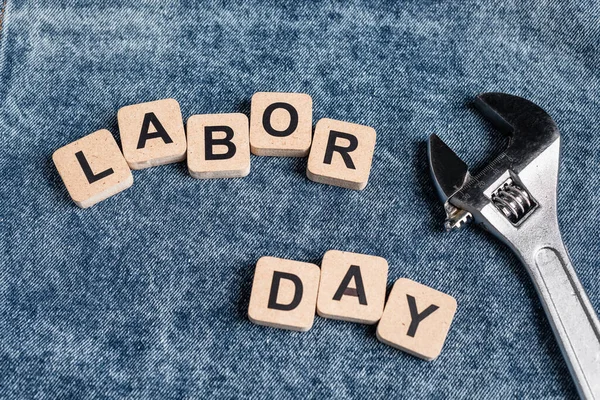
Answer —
(284, 294)
(280, 124)
(416, 319)
(341, 154)
(352, 287)
(152, 133)
(218, 146)
(93, 168)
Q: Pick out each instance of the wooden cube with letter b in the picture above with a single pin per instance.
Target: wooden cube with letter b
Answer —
(341, 154)
(218, 146)
(284, 294)
(93, 168)
(152, 133)
(352, 287)
(416, 319)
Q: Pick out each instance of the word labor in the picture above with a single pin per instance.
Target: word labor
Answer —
(93, 168)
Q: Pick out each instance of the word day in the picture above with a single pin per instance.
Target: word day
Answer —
(351, 287)
(94, 168)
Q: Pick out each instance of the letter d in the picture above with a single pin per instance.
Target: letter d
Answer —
(298, 290)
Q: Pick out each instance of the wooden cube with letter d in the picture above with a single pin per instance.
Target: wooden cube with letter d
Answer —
(284, 294)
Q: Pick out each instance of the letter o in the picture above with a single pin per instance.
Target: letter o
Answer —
(267, 119)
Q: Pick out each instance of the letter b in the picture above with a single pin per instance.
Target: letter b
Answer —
(210, 142)
(218, 146)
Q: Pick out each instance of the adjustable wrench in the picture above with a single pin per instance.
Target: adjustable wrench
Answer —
(514, 198)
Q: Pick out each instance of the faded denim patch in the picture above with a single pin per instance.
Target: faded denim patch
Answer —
(145, 294)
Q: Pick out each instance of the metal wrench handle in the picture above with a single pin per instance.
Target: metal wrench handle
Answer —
(569, 310)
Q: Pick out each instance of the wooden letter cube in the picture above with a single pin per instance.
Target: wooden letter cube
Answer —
(284, 294)
(352, 287)
(152, 133)
(218, 146)
(416, 319)
(341, 154)
(280, 124)
(93, 168)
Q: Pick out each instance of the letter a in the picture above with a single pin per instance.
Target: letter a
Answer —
(160, 131)
(353, 272)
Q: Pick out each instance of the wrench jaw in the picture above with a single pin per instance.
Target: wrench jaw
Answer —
(529, 127)
(504, 195)
(449, 174)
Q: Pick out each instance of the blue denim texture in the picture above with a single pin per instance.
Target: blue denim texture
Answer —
(145, 295)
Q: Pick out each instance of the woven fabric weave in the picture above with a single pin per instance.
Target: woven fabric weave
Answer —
(145, 295)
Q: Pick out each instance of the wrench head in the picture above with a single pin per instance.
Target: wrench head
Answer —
(448, 171)
(528, 126)
(531, 133)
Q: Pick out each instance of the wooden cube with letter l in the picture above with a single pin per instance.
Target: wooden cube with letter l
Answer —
(93, 168)
(284, 294)
(341, 154)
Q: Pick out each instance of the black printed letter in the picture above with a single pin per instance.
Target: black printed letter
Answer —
(277, 277)
(160, 131)
(87, 170)
(331, 147)
(267, 119)
(415, 316)
(209, 142)
(353, 272)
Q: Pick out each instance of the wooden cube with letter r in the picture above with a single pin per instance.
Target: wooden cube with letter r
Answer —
(341, 154)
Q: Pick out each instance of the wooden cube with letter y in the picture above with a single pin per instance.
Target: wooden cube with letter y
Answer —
(152, 133)
(284, 294)
(341, 154)
(93, 168)
(352, 287)
(416, 319)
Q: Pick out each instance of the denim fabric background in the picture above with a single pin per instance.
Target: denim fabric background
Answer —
(145, 295)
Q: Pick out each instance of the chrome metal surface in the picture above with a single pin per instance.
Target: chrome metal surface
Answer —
(514, 197)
